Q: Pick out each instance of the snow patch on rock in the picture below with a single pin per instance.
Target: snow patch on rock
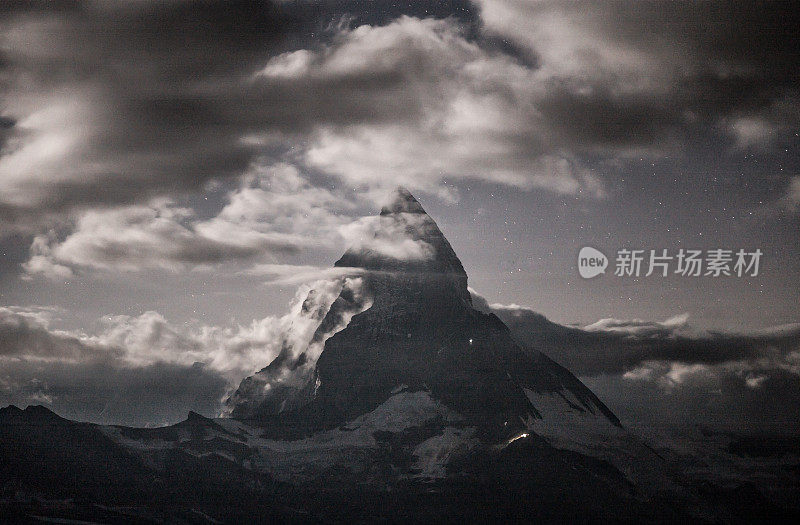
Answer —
(566, 423)
(352, 444)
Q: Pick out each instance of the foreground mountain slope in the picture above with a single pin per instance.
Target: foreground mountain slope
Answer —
(199, 471)
(193, 472)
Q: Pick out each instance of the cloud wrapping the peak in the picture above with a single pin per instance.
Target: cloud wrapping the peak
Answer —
(396, 236)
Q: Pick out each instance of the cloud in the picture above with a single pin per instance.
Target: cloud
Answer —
(659, 372)
(41, 260)
(233, 352)
(89, 122)
(117, 103)
(94, 380)
(94, 125)
(274, 212)
(6, 124)
(109, 104)
(154, 236)
(786, 203)
(533, 95)
(638, 327)
(143, 369)
(292, 274)
(326, 309)
(614, 346)
(24, 335)
(278, 199)
(760, 128)
(713, 397)
(396, 236)
(638, 76)
(157, 394)
(751, 131)
(466, 112)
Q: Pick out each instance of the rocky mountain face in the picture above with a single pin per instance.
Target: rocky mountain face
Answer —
(420, 333)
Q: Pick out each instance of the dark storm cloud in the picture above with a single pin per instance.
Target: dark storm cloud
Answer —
(118, 102)
(606, 119)
(156, 98)
(89, 380)
(757, 43)
(643, 74)
(23, 336)
(6, 124)
(134, 87)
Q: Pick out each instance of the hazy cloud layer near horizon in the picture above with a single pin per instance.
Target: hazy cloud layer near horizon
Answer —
(673, 373)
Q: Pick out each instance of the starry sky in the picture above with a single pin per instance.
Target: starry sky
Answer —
(171, 171)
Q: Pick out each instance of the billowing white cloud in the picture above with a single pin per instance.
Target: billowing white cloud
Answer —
(159, 235)
(274, 212)
(639, 327)
(326, 309)
(471, 114)
(231, 351)
(396, 236)
(147, 347)
(41, 261)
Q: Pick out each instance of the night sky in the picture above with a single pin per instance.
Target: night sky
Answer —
(171, 171)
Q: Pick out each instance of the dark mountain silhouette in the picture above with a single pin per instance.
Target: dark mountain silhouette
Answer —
(421, 331)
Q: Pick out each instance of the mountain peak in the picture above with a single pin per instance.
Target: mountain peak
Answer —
(420, 332)
(402, 202)
(404, 238)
